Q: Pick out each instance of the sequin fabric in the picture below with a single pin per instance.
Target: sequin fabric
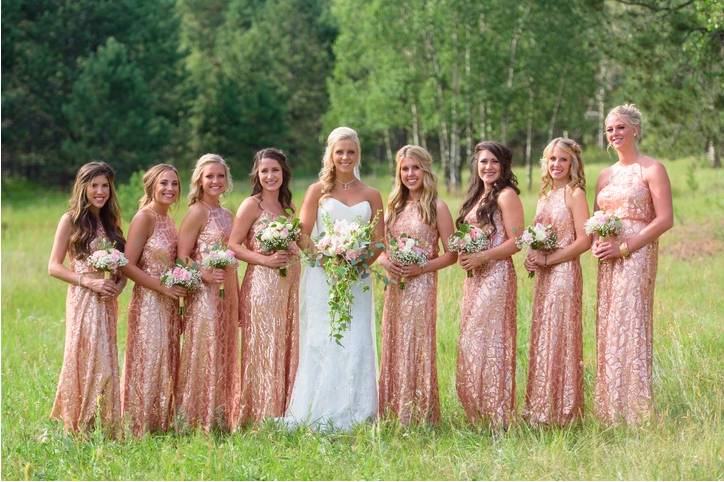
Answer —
(89, 381)
(408, 373)
(152, 347)
(269, 318)
(554, 395)
(485, 378)
(624, 333)
(208, 370)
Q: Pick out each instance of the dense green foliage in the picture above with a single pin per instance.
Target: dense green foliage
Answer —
(684, 442)
(134, 82)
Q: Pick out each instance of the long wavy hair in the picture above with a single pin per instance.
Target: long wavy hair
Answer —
(84, 223)
(150, 178)
(488, 203)
(196, 192)
(400, 193)
(577, 176)
(285, 194)
(327, 174)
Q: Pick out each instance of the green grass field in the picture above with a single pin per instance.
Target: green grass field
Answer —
(683, 442)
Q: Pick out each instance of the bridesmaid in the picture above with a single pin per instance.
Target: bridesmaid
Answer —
(153, 326)
(555, 364)
(89, 383)
(408, 376)
(638, 188)
(486, 349)
(208, 374)
(269, 302)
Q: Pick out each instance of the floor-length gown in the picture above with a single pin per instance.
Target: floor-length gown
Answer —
(624, 332)
(206, 391)
(89, 381)
(408, 372)
(485, 379)
(269, 318)
(554, 394)
(152, 348)
(335, 386)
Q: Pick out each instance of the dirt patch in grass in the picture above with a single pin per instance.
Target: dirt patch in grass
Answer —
(694, 241)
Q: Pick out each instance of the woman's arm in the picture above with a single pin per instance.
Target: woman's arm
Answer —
(308, 214)
(445, 226)
(246, 215)
(378, 235)
(191, 225)
(577, 203)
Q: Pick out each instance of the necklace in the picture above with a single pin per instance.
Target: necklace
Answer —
(346, 185)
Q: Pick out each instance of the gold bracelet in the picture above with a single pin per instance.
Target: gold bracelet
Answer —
(623, 249)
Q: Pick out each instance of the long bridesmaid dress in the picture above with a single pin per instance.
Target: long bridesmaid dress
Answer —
(554, 394)
(408, 373)
(624, 338)
(208, 371)
(269, 318)
(89, 381)
(152, 349)
(485, 378)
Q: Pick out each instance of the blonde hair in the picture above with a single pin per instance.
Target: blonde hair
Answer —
(631, 114)
(150, 178)
(576, 173)
(327, 174)
(195, 191)
(400, 194)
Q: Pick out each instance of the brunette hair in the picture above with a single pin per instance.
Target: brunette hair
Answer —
(488, 203)
(571, 147)
(285, 194)
(400, 194)
(149, 182)
(84, 223)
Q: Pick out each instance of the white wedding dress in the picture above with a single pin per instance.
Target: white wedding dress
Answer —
(335, 386)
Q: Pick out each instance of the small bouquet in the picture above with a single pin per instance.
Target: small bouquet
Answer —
(218, 256)
(342, 250)
(468, 239)
(107, 258)
(603, 224)
(407, 251)
(186, 276)
(539, 237)
(277, 234)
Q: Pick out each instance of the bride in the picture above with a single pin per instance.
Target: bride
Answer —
(335, 386)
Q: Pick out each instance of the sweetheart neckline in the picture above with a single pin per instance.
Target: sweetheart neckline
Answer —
(347, 205)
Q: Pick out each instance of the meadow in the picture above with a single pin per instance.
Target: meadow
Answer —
(683, 441)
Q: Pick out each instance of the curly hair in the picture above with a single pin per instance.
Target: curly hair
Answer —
(488, 203)
(577, 175)
(400, 194)
(285, 194)
(327, 174)
(84, 223)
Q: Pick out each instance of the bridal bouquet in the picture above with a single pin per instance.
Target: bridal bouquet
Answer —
(186, 276)
(107, 258)
(407, 251)
(277, 234)
(539, 237)
(603, 224)
(343, 249)
(218, 256)
(468, 239)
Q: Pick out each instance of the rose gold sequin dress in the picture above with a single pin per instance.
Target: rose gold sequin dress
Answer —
(624, 320)
(408, 372)
(208, 371)
(485, 378)
(555, 365)
(152, 349)
(89, 381)
(269, 316)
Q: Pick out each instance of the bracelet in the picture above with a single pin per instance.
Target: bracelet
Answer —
(623, 249)
(80, 279)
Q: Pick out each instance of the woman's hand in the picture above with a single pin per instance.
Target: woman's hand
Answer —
(104, 287)
(214, 276)
(470, 261)
(277, 259)
(392, 268)
(175, 292)
(411, 270)
(535, 260)
(604, 250)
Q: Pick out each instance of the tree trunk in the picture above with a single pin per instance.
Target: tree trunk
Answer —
(713, 153)
(529, 140)
(557, 106)
(388, 149)
(415, 124)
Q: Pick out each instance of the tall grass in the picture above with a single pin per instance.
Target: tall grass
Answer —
(684, 441)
